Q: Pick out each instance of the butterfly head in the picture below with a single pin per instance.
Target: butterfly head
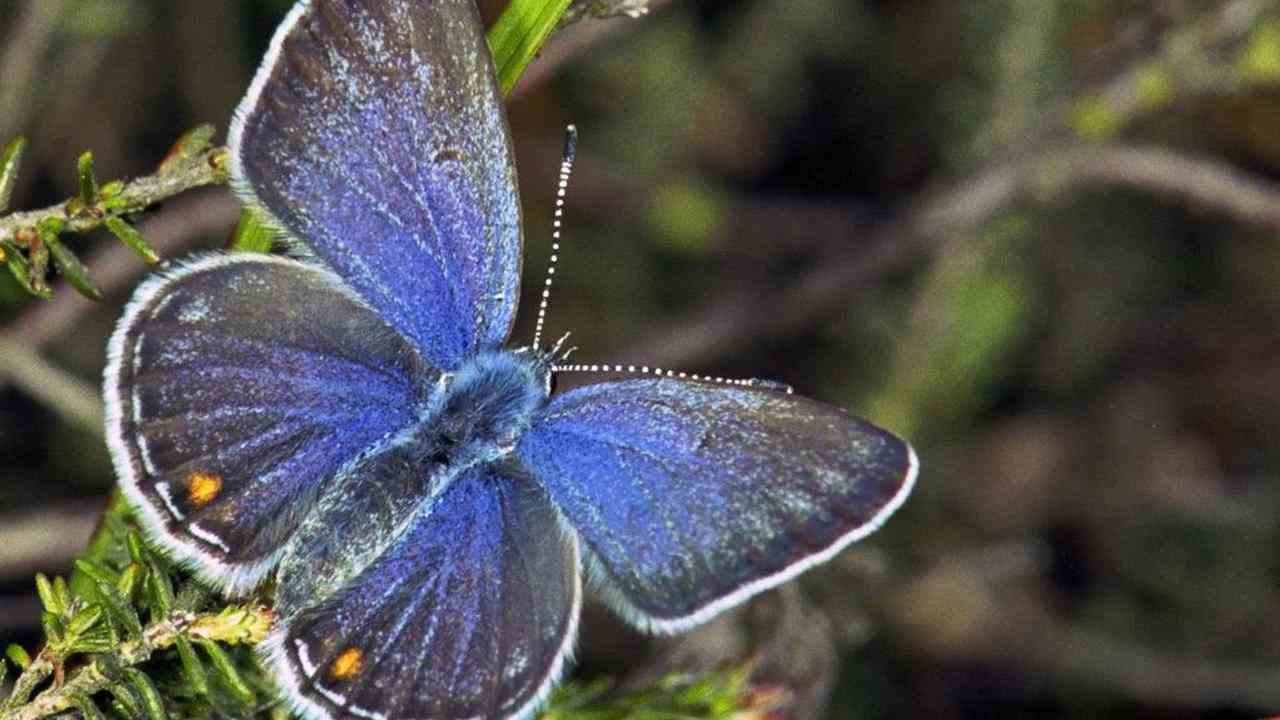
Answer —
(488, 404)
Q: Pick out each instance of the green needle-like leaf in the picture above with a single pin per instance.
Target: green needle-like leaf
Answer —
(86, 707)
(18, 656)
(52, 626)
(48, 598)
(152, 705)
(159, 590)
(129, 235)
(227, 671)
(83, 621)
(70, 267)
(125, 701)
(192, 669)
(62, 592)
(519, 34)
(88, 179)
(252, 234)
(9, 161)
(117, 606)
(21, 270)
(137, 551)
(188, 147)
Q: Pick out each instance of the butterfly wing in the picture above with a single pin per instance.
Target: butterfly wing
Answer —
(691, 498)
(374, 133)
(470, 613)
(236, 386)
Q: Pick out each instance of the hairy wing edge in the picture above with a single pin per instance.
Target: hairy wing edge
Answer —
(276, 655)
(232, 578)
(618, 602)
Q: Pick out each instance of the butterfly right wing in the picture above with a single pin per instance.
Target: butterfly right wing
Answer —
(236, 387)
(691, 498)
(468, 614)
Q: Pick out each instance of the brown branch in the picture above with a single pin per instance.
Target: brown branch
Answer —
(939, 216)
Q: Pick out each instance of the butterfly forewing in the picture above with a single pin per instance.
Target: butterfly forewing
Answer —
(469, 614)
(374, 134)
(236, 386)
(692, 497)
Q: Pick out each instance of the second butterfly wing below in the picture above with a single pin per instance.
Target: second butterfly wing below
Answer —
(471, 613)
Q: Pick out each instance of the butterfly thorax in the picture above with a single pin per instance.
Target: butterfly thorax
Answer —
(485, 406)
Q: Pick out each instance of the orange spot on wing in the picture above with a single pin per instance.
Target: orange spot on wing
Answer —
(347, 665)
(203, 487)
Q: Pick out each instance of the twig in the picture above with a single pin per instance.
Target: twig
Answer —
(247, 624)
(113, 266)
(208, 168)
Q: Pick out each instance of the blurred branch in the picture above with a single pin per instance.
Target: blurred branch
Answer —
(32, 540)
(565, 46)
(1187, 62)
(946, 213)
(603, 9)
(968, 606)
(1201, 181)
(23, 55)
(70, 397)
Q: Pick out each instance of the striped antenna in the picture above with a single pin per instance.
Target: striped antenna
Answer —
(664, 373)
(566, 169)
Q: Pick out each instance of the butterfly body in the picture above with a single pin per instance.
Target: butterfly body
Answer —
(350, 423)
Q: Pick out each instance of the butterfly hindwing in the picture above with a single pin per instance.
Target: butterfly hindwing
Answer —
(374, 133)
(236, 386)
(690, 497)
(470, 613)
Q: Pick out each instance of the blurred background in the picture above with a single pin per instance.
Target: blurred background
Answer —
(1038, 238)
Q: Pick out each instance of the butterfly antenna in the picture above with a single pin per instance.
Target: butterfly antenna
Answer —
(756, 383)
(566, 169)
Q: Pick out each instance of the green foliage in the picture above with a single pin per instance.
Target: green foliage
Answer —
(32, 241)
(519, 34)
(132, 637)
(253, 234)
(122, 628)
(719, 695)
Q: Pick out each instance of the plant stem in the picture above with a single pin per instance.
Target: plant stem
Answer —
(233, 625)
(208, 168)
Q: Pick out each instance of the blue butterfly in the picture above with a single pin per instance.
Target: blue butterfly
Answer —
(350, 423)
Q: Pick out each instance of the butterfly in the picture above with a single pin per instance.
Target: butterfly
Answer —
(349, 421)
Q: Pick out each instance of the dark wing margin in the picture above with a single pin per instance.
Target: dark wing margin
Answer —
(471, 613)
(374, 134)
(236, 386)
(690, 498)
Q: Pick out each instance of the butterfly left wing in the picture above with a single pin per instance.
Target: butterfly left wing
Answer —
(469, 615)
(374, 134)
(236, 387)
(691, 498)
